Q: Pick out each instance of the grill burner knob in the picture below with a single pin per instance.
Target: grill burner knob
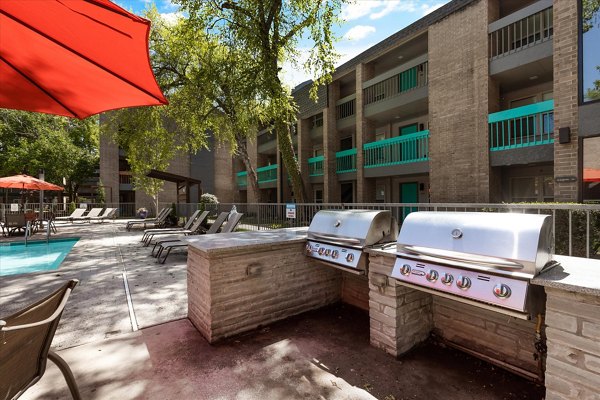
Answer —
(502, 291)
(350, 257)
(321, 251)
(335, 254)
(432, 275)
(405, 270)
(327, 252)
(462, 282)
(308, 248)
(447, 279)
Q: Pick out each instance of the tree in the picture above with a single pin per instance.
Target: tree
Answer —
(62, 147)
(268, 32)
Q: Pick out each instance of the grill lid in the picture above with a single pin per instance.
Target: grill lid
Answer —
(519, 242)
(354, 228)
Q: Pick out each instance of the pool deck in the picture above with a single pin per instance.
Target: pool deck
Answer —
(151, 351)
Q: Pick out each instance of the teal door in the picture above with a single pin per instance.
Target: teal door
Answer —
(409, 193)
(407, 150)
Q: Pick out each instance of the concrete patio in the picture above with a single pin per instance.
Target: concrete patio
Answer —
(145, 348)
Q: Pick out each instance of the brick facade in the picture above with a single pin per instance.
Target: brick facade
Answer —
(565, 97)
(458, 106)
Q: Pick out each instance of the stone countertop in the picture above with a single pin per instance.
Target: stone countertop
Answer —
(238, 241)
(573, 274)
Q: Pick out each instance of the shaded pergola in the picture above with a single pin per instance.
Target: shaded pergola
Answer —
(181, 182)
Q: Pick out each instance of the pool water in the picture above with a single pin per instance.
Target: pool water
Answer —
(16, 258)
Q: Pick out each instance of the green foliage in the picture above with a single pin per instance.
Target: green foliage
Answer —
(72, 207)
(590, 15)
(267, 33)
(100, 193)
(208, 198)
(62, 147)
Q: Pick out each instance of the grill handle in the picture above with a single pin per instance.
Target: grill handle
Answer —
(467, 259)
(334, 238)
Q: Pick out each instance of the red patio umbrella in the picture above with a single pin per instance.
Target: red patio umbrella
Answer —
(74, 57)
(27, 182)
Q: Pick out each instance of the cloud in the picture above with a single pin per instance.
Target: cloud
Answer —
(426, 8)
(359, 32)
(359, 8)
(376, 9)
(171, 18)
(394, 6)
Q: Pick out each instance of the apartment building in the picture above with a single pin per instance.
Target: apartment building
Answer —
(479, 101)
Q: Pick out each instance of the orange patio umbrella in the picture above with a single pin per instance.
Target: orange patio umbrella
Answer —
(74, 58)
(591, 175)
(27, 182)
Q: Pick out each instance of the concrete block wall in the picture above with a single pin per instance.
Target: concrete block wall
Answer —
(488, 333)
(565, 96)
(458, 106)
(400, 317)
(573, 340)
(241, 291)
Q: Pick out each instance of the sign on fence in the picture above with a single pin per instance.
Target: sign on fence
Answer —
(290, 210)
(82, 205)
(14, 207)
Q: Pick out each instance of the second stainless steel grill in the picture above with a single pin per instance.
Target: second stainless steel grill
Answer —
(338, 237)
(486, 259)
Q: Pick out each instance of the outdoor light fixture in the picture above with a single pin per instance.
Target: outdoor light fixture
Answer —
(533, 78)
(564, 135)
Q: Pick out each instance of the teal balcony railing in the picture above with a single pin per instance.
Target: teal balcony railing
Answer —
(345, 161)
(315, 166)
(405, 81)
(267, 174)
(530, 125)
(397, 150)
(242, 179)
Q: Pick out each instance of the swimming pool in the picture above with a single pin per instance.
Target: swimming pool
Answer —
(16, 258)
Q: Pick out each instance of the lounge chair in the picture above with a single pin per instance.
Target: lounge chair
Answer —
(108, 213)
(94, 212)
(190, 227)
(14, 222)
(214, 228)
(25, 339)
(159, 220)
(77, 213)
(230, 226)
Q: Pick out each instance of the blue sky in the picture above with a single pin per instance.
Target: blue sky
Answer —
(367, 22)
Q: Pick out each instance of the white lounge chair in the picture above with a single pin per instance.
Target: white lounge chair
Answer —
(159, 220)
(108, 213)
(94, 212)
(77, 213)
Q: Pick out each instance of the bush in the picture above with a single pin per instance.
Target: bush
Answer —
(207, 199)
(72, 208)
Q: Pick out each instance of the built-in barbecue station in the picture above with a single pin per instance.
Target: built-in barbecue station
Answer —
(338, 237)
(484, 259)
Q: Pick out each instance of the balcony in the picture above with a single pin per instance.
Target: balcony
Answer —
(267, 176)
(125, 180)
(403, 88)
(242, 179)
(345, 110)
(383, 157)
(523, 40)
(345, 161)
(315, 166)
(530, 125)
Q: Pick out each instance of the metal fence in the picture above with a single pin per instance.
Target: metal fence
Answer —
(576, 227)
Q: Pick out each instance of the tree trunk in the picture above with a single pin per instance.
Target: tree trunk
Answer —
(251, 178)
(286, 148)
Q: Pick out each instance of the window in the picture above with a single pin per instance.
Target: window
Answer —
(318, 196)
(590, 37)
(317, 151)
(317, 121)
(346, 143)
(591, 169)
(532, 189)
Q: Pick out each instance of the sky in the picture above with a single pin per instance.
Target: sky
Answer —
(366, 22)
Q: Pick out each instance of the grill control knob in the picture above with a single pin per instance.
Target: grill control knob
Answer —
(308, 248)
(321, 251)
(405, 269)
(350, 257)
(462, 282)
(447, 279)
(335, 254)
(327, 252)
(502, 291)
(432, 275)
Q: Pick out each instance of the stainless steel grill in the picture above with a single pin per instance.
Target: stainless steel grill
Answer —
(485, 259)
(338, 237)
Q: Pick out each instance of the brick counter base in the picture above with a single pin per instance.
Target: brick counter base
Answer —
(243, 290)
(573, 340)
